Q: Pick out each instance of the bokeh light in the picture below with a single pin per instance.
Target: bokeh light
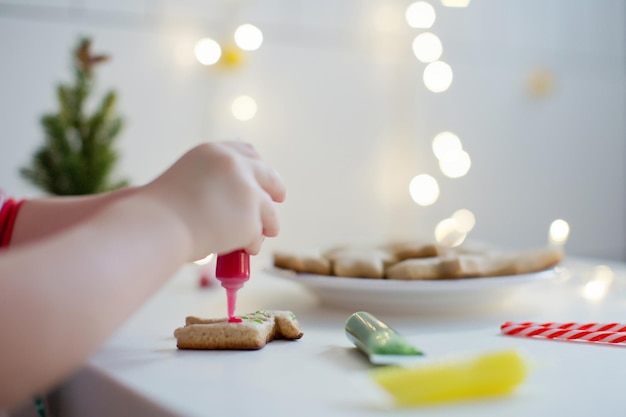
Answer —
(248, 37)
(541, 82)
(244, 108)
(232, 56)
(446, 145)
(456, 166)
(438, 76)
(424, 189)
(465, 220)
(420, 15)
(448, 233)
(603, 273)
(594, 290)
(427, 47)
(207, 51)
(559, 232)
(598, 286)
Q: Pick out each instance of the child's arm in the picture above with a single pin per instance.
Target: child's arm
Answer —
(44, 216)
(62, 296)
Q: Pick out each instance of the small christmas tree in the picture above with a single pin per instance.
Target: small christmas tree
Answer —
(78, 155)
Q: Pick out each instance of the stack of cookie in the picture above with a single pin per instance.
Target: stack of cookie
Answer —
(416, 260)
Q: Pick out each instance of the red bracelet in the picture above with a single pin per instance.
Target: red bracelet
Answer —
(8, 215)
(5, 210)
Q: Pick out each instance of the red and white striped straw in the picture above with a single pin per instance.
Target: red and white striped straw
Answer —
(594, 327)
(604, 337)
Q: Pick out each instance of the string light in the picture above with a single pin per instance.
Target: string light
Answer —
(438, 76)
(454, 162)
(420, 15)
(248, 37)
(446, 145)
(424, 189)
(448, 233)
(207, 51)
(456, 166)
(244, 108)
(453, 230)
(559, 232)
(427, 47)
(465, 220)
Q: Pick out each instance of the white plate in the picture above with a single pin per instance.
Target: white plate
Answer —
(383, 295)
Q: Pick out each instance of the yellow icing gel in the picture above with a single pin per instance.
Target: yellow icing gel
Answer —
(486, 375)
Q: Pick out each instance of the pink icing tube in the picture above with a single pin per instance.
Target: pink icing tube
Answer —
(233, 270)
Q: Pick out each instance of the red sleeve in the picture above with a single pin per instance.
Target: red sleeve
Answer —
(8, 215)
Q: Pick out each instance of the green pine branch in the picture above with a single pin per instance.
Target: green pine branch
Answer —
(78, 155)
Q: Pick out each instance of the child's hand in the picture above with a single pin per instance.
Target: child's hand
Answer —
(224, 194)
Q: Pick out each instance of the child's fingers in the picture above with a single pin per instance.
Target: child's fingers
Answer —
(270, 181)
(243, 148)
(266, 176)
(269, 218)
(255, 247)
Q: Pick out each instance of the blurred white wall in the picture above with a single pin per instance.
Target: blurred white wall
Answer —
(343, 112)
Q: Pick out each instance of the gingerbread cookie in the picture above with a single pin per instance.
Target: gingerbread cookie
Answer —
(464, 266)
(531, 260)
(305, 263)
(253, 332)
(360, 262)
(414, 249)
(418, 268)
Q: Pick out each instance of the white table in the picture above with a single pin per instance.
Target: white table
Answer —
(139, 372)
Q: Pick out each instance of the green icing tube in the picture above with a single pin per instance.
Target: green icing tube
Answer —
(379, 342)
